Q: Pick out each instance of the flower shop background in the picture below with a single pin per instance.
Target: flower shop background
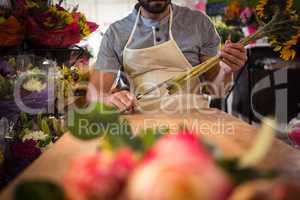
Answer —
(25, 136)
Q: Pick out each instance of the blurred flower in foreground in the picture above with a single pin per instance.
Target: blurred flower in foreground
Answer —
(99, 176)
(294, 132)
(178, 167)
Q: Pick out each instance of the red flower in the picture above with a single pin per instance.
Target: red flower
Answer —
(99, 176)
(11, 32)
(59, 37)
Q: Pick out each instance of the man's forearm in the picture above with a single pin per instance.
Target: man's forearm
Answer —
(100, 85)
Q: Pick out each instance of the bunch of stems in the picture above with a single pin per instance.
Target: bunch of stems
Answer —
(276, 25)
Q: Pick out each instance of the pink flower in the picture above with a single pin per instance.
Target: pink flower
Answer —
(178, 167)
(294, 135)
(98, 176)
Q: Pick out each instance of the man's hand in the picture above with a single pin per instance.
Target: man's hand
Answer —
(234, 55)
(122, 100)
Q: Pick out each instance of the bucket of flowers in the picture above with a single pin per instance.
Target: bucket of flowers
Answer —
(31, 136)
(24, 85)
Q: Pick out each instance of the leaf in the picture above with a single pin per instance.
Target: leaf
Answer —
(150, 136)
(44, 143)
(93, 121)
(39, 119)
(4, 86)
(24, 132)
(241, 175)
(23, 118)
(278, 48)
(57, 127)
(44, 127)
(120, 135)
(38, 190)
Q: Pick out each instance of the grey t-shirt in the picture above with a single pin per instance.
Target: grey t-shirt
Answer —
(193, 31)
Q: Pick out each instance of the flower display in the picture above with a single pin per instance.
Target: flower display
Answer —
(57, 27)
(191, 174)
(99, 176)
(36, 136)
(284, 41)
(45, 25)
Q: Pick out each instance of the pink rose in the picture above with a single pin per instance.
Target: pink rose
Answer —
(178, 167)
(98, 176)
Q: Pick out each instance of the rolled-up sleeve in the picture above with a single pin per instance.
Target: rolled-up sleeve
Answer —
(211, 39)
(107, 59)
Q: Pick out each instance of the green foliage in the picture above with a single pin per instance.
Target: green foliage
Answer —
(93, 121)
(120, 134)
(45, 143)
(23, 118)
(57, 127)
(44, 127)
(38, 190)
(149, 136)
(242, 175)
(5, 86)
(297, 5)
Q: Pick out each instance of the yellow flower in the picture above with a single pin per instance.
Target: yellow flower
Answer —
(294, 40)
(31, 4)
(260, 8)
(289, 5)
(233, 10)
(2, 20)
(287, 53)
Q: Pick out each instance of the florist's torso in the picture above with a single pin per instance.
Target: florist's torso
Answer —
(192, 30)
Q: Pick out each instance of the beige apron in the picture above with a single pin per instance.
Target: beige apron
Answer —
(151, 66)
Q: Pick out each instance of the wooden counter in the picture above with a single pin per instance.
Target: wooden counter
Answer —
(233, 136)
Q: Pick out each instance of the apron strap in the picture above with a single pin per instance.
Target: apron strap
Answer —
(137, 21)
(171, 23)
(134, 28)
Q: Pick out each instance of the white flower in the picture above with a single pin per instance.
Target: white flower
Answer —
(34, 85)
(36, 135)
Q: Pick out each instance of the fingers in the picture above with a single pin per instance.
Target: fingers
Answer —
(234, 55)
(238, 46)
(239, 53)
(123, 100)
(232, 61)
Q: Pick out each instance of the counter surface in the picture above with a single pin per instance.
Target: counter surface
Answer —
(232, 135)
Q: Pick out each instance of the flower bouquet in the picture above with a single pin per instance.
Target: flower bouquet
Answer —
(54, 26)
(157, 164)
(32, 135)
